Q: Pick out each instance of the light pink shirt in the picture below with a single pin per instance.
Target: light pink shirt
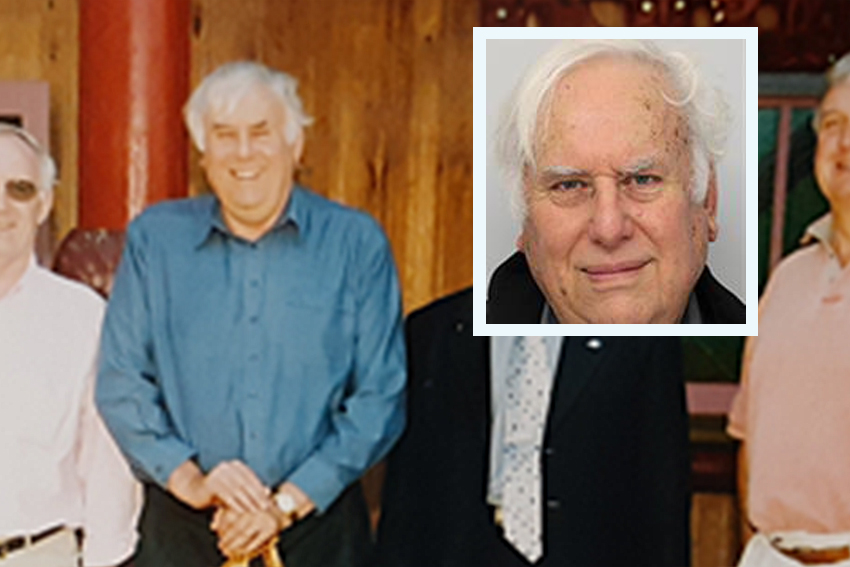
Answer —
(793, 409)
(58, 464)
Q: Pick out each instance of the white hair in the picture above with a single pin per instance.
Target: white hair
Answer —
(225, 87)
(703, 107)
(46, 166)
(837, 74)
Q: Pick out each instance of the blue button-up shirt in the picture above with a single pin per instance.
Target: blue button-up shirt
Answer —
(286, 353)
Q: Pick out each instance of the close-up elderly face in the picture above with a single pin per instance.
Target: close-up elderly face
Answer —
(23, 205)
(611, 232)
(248, 161)
(832, 158)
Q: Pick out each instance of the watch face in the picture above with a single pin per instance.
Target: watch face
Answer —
(285, 502)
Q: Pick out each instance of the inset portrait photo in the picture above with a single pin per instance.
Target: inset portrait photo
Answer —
(614, 181)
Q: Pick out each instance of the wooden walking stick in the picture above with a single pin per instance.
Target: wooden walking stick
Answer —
(271, 558)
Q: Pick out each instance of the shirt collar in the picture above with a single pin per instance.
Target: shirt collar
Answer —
(820, 231)
(22, 282)
(211, 219)
(693, 315)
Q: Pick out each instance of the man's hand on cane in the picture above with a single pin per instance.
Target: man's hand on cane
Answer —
(242, 536)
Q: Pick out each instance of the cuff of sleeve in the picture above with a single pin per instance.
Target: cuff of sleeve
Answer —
(319, 481)
(171, 453)
(735, 431)
(108, 549)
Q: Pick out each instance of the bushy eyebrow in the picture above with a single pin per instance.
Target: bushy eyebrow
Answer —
(830, 112)
(256, 126)
(555, 172)
(639, 166)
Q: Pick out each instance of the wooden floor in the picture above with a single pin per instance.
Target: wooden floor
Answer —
(714, 530)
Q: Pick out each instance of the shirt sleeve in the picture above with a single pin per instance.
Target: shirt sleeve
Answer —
(737, 425)
(371, 416)
(111, 497)
(127, 393)
(737, 418)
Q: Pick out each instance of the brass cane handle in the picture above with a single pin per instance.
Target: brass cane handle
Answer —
(271, 557)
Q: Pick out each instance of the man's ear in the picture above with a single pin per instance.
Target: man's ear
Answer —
(709, 204)
(46, 203)
(298, 148)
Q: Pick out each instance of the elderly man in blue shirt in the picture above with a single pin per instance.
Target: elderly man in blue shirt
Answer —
(252, 357)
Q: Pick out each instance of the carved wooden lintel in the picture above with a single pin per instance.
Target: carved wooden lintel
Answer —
(794, 35)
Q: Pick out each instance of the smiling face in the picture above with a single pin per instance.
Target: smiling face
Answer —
(832, 158)
(19, 218)
(248, 161)
(611, 234)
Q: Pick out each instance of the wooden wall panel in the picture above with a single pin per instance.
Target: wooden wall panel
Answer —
(389, 83)
(38, 41)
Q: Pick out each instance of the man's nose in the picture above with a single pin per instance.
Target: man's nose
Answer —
(844, 139)
(246, 146)
(610, 221)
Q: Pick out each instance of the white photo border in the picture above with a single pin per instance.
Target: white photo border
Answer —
(479, 269)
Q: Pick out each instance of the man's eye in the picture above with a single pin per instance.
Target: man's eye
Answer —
(829, 124)
(646, 180)
(225, 134)
(569, 185)
(21, 189)
(642, 182)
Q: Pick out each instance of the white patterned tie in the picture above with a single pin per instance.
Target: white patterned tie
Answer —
(528, 387)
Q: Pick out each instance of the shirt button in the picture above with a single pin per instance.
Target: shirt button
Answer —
(255, 283)
(548, 451)
(253, 357)
(253, 435)
(254, 318)
(553, 504)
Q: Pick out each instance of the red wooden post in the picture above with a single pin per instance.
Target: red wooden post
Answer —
(134, 79)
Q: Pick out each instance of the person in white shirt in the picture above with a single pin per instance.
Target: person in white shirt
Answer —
(66, 494)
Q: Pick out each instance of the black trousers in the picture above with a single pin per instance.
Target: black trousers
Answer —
(174, 535)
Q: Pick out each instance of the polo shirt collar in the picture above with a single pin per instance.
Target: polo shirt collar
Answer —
(820, 231)
(210, 219)
(24, 280)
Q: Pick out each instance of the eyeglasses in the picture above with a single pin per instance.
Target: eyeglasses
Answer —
(21, 190)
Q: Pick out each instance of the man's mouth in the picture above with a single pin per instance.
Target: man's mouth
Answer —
(614, 271)
(245, 174)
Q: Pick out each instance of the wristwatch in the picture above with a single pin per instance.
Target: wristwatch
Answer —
(286, 503)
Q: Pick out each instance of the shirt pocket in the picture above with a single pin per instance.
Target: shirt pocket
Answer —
(317, 334)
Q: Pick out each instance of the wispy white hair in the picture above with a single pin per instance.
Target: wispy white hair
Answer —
(224, 88)
(46, 165)
(703, 107)
(837, 74)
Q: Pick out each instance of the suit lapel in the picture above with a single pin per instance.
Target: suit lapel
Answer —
(576, 365)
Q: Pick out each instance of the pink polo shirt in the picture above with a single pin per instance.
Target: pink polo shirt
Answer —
(793, 408)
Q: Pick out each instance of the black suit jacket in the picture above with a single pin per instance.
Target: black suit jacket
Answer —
(615, 462)
(514, 297)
